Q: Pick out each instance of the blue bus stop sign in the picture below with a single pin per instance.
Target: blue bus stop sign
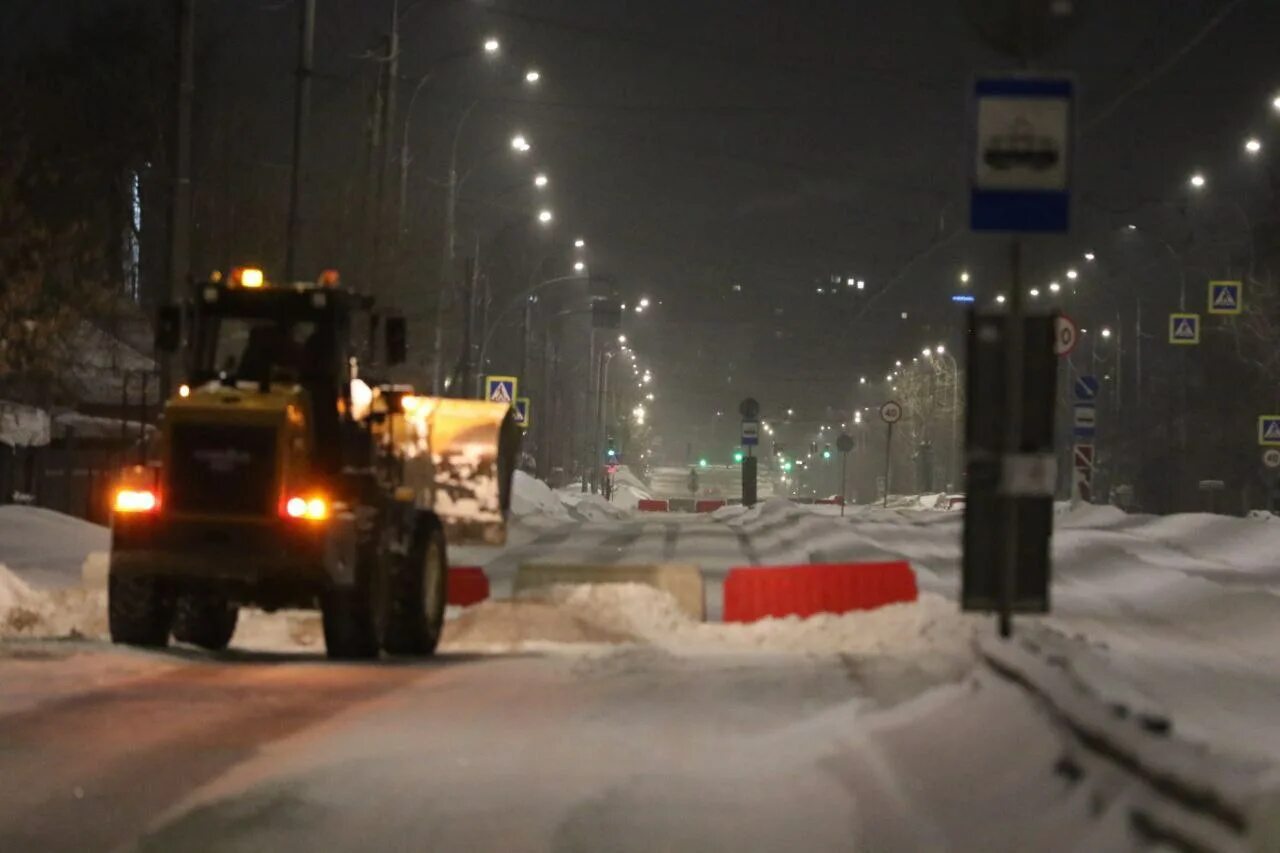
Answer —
(1020, 174)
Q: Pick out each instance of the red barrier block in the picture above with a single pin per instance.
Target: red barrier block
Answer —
(755, 593)
(652, 506)
(707, 506)
(467, 585)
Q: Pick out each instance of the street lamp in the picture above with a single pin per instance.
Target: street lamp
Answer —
(1073, 274)
(941, 350)
(644, 302)
(519, 143)
(1035, 292)
(579, 266)
(545, 216)
(540, 180)
(492, 45)
(862, 380)
(926, 352)
(964, 277)
(1106, 331)
(1275, 103)
(579, 243)
(1089, 256)
(533, 75)
(1197, 181)
(1252, 145)
(1054, 287)
(1000, 298)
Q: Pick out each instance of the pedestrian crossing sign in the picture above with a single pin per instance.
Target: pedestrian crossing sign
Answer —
(1269, 430)
(500, 389)
(523, 413)
(1225, 297)
(1184, 329)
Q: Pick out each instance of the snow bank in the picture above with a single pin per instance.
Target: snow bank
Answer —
(531, 496)
(47, 547)
(584, 506)
(633, 613)
(28, 612)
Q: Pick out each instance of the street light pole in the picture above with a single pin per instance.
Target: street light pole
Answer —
(301, 120)
(180, 193)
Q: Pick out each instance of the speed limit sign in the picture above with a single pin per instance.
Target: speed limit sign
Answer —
(1271, 457)
(1065, 335)
(891, 412)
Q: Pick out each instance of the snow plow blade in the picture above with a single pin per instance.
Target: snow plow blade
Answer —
(459, 458)
(683, 582)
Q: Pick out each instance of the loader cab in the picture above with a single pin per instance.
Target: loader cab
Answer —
(256, 338)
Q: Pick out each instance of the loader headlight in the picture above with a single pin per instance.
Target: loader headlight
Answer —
(135, 500)
(313, 508)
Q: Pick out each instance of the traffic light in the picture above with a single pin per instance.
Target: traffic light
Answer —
(786, 466)
(702, 463)
(611, 451)
(826, 452)
(737, 457)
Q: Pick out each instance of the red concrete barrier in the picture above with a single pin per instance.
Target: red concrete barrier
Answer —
(467, 585)
(707, 506)
(803, 590)
(653, 506)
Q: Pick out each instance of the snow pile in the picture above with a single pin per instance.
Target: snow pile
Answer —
(531, 496)
(23, 426)
(634, 613)
(584, 506)
(28, 612)
(47, 548)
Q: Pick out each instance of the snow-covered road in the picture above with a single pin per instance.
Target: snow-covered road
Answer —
(604, 719)
(624, 749)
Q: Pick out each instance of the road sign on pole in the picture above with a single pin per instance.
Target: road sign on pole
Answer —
(501, 389)
(1184, 329)
(1269, 430)
(891, 412)
(1086, 389)
(750, 433)
(1022, 147)
(524, 413)
(1271, 457)
(844, 444)
(1065, 335)
(1084, 420)
(1226, 297)
(1082, 481)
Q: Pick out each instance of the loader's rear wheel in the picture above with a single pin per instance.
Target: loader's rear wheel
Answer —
(414, 593)
(348, 617)
(205, 619)
(139, 611)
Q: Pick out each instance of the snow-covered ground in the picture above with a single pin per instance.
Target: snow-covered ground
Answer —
(1174, 619)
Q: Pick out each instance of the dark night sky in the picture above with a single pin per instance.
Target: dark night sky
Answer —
(698, 145)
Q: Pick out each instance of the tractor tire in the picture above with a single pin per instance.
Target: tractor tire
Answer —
(415, 592)
(350, 632)
(206, 620)
(139, 611)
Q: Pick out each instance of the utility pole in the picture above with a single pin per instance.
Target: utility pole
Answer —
(390, 77)
(179, 271)
(301, 120)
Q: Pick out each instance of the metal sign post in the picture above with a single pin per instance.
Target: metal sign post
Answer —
(1020, 183)
(844, 444)
(750, 411)
(890, 413)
